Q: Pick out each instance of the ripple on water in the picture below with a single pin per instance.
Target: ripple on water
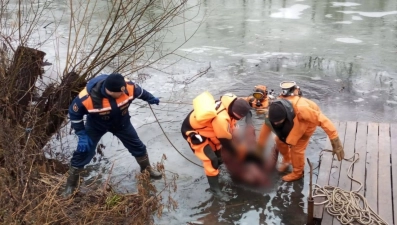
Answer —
(357, 18)
(344, 4)
(292, 12)
(348, 40)
(344, 22)
(358, 100)
(370, 14)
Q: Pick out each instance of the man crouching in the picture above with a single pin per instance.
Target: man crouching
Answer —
(105, 100)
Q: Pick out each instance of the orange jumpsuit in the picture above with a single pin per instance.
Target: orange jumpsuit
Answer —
(307, 117)
(221, 127)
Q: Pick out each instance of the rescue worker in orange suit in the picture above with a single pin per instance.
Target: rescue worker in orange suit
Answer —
(294, 119)
(105, 101)
(207, 139)
(259, 99)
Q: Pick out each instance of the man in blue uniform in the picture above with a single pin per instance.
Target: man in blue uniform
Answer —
(105, 100)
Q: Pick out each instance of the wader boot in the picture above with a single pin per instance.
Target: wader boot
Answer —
(214, 188)
(298, 165)
(145, 165)
(72, 181)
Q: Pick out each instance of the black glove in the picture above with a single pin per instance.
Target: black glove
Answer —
(212, 156)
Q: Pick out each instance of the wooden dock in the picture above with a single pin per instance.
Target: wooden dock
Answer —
(376, 168)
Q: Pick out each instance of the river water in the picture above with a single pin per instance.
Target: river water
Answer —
(341, 54)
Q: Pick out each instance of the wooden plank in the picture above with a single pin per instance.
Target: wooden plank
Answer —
(348, 146)
(323, 177)
(361, 149)
(384, 175)
(335, 170)
(371, 182)
(393, 141)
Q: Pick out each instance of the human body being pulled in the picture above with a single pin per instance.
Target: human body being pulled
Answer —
(247, 167)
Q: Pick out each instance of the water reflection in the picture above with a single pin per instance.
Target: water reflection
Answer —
(289, 203)
(280, 205)
(349, 77)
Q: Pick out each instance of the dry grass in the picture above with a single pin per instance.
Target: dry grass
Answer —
(33, 104)
(31, 187)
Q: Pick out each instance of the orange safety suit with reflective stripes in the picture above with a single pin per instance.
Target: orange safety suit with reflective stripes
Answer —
(214, 134)
(103, 112)
(121, 102)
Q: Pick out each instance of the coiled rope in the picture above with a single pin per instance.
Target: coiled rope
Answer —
(347, 206)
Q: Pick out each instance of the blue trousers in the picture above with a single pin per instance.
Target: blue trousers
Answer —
(127, 135)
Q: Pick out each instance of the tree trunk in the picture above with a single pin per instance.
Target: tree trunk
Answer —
(54, 106)
(40, 116)
(24, 71)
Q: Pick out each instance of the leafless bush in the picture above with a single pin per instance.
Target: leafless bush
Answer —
(128, 36)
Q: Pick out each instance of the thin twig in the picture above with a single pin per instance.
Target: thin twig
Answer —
(107, 180)
(28, 178)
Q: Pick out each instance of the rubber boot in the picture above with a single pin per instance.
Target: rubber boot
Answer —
(285, 152)
(213, 181)
(72, 181)
(145, 165)
(298, 164)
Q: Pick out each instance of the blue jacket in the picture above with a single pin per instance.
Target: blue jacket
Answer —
(103, 112)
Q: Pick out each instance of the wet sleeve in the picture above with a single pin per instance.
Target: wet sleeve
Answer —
(221, 128)
(222, 132)
(310, 115)
(141, 93)
(76, 113)
(263, 136)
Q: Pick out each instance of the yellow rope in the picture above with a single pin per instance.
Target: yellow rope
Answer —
(347, 206)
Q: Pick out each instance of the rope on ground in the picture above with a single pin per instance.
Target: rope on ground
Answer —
(347, 206)
(158, 122)
(177, 103)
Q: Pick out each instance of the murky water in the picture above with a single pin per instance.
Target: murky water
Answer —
(342, 55)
